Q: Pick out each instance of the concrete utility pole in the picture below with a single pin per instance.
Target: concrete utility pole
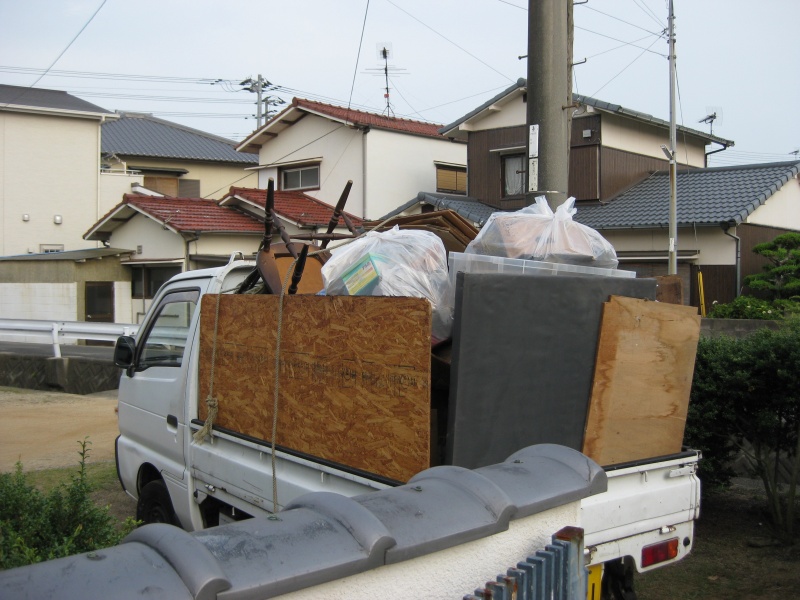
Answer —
(672, 267)
(549, 100)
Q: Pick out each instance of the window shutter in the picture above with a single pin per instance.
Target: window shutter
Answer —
(189, 188)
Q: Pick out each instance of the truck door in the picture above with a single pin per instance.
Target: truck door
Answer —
(152, 393)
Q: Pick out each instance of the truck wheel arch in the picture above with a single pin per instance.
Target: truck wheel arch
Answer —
(147, 473)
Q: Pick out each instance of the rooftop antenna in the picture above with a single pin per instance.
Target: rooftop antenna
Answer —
(713, 113)
(384, 51)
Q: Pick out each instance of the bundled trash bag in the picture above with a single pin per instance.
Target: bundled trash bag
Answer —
(536, 233)
(397, 262)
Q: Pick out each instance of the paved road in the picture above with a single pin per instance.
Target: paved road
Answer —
(104, 352)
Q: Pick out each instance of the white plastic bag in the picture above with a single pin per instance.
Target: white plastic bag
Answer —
(536, 233)
(398, 262)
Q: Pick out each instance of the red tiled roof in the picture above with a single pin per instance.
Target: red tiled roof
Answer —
(359, 117)
(195, 214)
(295, 206)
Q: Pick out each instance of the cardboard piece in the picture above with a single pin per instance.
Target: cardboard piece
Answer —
(642, 380)
(354, 376)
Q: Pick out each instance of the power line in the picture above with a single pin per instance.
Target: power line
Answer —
(72, 41)
(484, 63)
(358, 56)
(646, 10)
(587, 7)
(623, 70)
(624, 42)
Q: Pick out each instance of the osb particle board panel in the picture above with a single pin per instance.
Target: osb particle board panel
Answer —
(354, 376)
(642, 379)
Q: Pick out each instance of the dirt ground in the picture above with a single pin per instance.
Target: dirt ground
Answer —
(42, 429)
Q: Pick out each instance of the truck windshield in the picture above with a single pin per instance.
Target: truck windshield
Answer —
(165, 340)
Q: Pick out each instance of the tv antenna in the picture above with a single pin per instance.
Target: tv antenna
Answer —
(384, 52)
(713, 113)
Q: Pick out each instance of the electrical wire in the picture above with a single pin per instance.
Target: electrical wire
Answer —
(594, 95)
(484, 63)
(52, 64)
(624, 42)
(646, 10)
(72, 41)
(587, 7)
(358, 56)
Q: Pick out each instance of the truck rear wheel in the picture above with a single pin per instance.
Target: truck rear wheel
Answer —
(154, 504)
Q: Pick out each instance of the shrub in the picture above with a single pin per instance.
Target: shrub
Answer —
(746, 307)
(746, 396)
(36, 526)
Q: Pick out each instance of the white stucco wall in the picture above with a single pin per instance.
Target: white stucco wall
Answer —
(782, 209)
(715, 247)
(454, 572)
(156, 242)
(48, 301)
(641, 138)
(225, 244)
(400, 166)
(340, 151)
(510, 114)
(113, 185)
(49, 166)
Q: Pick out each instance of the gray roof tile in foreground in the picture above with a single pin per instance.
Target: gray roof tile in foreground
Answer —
(706, 197)
(135, 134)
(322, 536)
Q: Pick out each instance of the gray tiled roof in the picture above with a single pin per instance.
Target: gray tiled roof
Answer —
(41, 98)
(705, 197)
(135, 134)
(469, 208)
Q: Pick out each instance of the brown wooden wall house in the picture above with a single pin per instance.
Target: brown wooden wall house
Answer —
(488, 152)
(752, 263)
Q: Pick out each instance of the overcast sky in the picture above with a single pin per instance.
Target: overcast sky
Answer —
(736, 58)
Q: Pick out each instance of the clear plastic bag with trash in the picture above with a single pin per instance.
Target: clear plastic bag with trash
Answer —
(537, 233)
(397, 262)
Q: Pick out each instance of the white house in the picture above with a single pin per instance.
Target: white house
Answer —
(316, 148)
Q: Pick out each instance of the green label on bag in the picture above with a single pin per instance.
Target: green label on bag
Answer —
(362, 278)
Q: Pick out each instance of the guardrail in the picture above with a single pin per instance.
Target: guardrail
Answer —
(63, 332)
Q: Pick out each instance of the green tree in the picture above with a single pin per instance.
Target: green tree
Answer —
(781, 277)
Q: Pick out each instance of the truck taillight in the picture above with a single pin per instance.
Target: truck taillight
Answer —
(660, 552)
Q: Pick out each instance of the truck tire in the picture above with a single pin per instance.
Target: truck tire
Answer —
(154, 505)
(618, 580)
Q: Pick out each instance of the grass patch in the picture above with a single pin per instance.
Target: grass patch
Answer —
(100, 476)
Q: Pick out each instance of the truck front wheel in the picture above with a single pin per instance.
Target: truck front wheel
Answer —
(154, 504)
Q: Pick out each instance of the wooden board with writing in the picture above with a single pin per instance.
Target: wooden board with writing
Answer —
(642, 380)
(354, 383)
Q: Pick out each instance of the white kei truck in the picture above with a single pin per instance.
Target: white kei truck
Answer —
(644, 520)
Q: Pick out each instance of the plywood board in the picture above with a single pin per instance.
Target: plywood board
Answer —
(354, 376)
(523, 360)
(642, 380)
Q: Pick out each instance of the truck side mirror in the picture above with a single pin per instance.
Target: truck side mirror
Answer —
(124, 351)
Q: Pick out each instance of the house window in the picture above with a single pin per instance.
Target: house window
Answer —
(301, 178)
(146, 281)
(451, 180)
(50, 248)
(173, 186)
(513, 175)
